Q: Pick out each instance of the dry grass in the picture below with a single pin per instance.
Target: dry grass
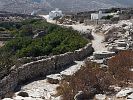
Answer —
(90, 79)
(120, 66)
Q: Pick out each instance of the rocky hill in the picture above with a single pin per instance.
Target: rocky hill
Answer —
(27, 6)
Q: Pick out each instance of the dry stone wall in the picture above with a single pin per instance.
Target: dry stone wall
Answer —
(99, 22)
(41, 68)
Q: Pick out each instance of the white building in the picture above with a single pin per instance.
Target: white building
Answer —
(55, 13)
(99, 15)
(96, 16)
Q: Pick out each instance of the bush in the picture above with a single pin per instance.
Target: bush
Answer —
(26, 31)
(120, 65)
(57, 40)
(90, 79)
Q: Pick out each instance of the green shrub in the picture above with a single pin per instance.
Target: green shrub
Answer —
(57, 40)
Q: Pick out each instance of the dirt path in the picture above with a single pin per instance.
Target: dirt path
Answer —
(98, 38)
(40, 88)
(97, 43)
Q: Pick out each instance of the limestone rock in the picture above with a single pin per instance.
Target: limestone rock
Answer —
(100, 97)
(124, 92)
(103, 54)
(54, 78)
(130, 97)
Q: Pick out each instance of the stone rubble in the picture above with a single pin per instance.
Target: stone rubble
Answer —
(119, 36)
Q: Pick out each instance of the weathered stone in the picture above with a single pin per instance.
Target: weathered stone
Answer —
(103, 54)
(121, 43)
(100, 97)
(114, 33)
(83, 52)
(124, 92)
(130, 97)
(115, 88)
(87, 34)
(54, 78)
(23, 94)
(40, 34)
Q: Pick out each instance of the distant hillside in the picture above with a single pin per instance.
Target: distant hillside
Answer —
(27, 6)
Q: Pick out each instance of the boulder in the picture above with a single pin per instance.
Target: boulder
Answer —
(40, 34)
(54, 78)
(100, 97)
(23, 94)
(130, 97)
(103, 54)
(121, 43)
(124, 92)
(87, 34)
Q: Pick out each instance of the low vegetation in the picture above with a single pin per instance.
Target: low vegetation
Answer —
(36, 37)
(120, 66)
(91, 79)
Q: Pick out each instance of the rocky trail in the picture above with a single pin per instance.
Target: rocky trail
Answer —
(97, 43)
(42, 89)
